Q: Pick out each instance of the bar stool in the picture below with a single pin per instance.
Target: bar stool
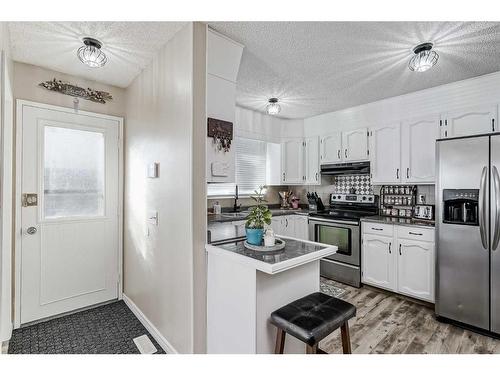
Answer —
(310, 319)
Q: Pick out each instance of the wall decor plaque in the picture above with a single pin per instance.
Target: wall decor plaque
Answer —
(76, 91)
(222, 133)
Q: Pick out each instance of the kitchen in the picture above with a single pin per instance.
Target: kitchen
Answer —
(365, 179)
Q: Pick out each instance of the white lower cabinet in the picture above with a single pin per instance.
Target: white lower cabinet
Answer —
(295, 226)
(377, 261)
(416, 269)
(402, 260)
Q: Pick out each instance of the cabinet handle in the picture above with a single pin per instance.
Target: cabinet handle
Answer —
(390, 247)
(316, 176)
(397, 174)
(493, 124)
(407, 172)
(400, 249)
(283, 176)
(338, 154)
(286, 222)
(345, 153)
(377, 229)
(415, 234)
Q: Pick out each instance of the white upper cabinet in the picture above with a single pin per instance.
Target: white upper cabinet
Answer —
(378, 261)
(223, 56)
(418, 150)
(385, 154)
(416, 268)
(469, 121)
(331, 148)
(292, 161)
(355, 145)
(312, 160)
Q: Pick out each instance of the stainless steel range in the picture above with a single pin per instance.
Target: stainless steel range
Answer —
(340, 226)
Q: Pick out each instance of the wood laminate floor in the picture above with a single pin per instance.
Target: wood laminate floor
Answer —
(390, 324)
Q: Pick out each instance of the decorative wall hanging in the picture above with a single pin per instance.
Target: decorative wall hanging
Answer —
(222, 133)
(76, 91)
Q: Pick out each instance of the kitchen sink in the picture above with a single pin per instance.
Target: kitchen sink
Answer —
(235, 215)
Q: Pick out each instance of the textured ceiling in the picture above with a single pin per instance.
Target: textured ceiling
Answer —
(318, 67)
(130, 46)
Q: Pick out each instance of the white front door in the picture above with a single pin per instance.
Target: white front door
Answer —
(70, 236)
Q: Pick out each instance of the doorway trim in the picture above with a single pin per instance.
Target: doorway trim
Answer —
(20, 103)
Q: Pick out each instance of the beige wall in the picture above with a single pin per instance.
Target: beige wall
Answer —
(27, 77)
(162, 105)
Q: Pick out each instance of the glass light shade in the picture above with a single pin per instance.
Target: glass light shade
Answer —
(423, 61)
(273, 108)
(90, 54)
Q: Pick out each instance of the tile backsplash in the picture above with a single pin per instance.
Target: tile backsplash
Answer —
(360, 182)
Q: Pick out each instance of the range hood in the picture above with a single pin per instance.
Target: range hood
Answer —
(345, 168)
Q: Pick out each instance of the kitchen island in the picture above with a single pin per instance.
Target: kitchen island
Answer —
(245, 286)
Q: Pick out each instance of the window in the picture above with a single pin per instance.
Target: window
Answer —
(73, 181)
(250, 169)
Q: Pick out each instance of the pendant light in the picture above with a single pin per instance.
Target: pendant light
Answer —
(424, 58)
(90, 53)
(273, 108)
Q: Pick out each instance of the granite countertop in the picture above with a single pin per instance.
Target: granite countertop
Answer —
(227, 216)
(295, 253)
(399, 221)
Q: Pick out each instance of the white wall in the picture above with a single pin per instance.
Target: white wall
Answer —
(454, 96)
(6, 178)
(27, 77)
(165, 123)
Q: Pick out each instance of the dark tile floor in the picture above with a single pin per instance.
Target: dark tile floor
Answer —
(107, 329)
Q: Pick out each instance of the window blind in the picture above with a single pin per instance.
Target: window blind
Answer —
(250, 169)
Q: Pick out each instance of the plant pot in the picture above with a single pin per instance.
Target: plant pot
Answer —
(254, 236)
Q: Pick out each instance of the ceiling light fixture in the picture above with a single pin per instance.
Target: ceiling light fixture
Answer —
(273, 108)
(90, 53)
(424, 58)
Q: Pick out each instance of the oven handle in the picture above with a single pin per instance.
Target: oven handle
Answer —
(334, 221)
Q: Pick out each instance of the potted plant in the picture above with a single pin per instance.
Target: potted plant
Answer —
(259, 216)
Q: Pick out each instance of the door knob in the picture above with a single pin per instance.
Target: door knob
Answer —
(31, 230)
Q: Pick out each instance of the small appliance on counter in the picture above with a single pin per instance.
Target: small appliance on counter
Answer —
(423, 212)
(315, 202)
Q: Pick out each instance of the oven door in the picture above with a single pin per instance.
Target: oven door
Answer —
(343, 234)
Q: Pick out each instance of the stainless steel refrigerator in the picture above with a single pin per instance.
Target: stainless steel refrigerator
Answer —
(468, 231)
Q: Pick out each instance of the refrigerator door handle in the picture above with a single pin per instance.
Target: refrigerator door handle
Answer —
(496, 230)
(482, 209)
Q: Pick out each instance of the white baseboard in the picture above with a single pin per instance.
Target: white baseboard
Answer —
(162, 341)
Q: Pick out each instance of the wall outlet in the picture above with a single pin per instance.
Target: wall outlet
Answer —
(153, 170)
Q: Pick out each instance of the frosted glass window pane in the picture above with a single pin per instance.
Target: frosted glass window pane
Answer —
(73, 173)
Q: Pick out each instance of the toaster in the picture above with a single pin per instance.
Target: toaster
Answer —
(425, 212)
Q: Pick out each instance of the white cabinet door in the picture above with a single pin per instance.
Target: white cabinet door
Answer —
(355, 145)
(416, 269)
(277, 225)
(385, 154)
(300, 227)
(331, 148)
(312, 161)
(292, 161)
(273, 164)
(418, 150)
(378, 261)
(469, 121)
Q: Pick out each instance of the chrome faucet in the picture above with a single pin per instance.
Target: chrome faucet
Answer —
(236, 207)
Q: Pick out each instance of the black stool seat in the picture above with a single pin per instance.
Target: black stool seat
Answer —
(313, 317)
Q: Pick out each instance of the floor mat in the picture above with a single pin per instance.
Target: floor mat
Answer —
(330, 287)
(108, 329)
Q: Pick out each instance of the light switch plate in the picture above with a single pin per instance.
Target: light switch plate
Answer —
(153, 170)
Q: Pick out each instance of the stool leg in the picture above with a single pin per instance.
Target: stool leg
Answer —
(280, 342)
(312, 349)
(346, 340)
